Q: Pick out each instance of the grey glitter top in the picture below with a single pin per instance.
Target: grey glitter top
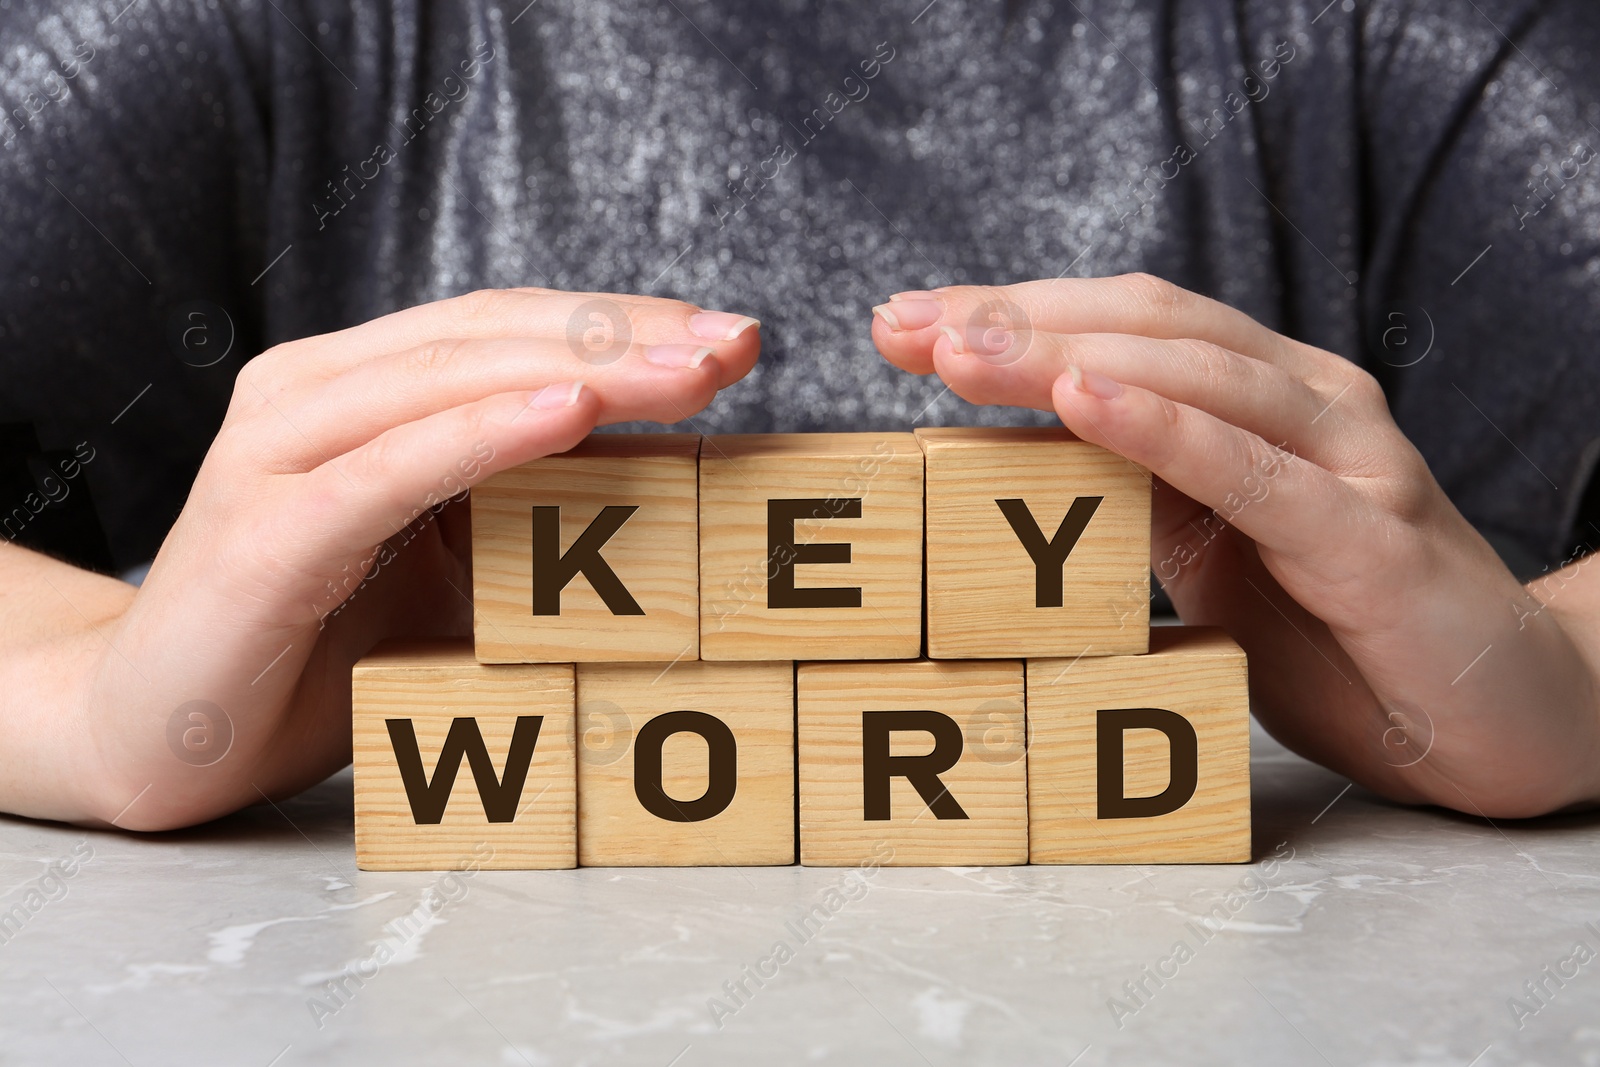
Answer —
(1406, 184)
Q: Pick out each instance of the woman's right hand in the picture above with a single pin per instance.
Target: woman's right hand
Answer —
(332, 446)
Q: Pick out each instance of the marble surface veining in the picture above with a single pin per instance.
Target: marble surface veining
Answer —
(1364, 933)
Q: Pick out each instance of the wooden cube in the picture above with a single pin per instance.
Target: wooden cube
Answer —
(912, 764)
(1141, 759)
(590, 555)
(459, 763)
(810, 547)
(1038, 545)
(688, 766)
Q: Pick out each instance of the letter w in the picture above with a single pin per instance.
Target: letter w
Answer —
(499, 795)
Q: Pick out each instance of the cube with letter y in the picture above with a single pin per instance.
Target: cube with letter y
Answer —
(912, 764)
(458, 762)
(688, 766)
(1141, 759)
(590, 555)
(811, 546)
(1038, 545)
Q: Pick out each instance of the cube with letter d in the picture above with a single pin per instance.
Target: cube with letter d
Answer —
(1038, 545)
(811, 546)
(590, 555)
(1141, 759)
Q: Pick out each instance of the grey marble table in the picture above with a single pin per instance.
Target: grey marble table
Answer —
(1364, 933)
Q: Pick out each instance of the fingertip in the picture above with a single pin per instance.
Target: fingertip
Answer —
(565, 427)
(721, 327)
(950, 357)
(1127, 420)
(736, 357)
(583, 399)
(675, 364)
(555, 397)
(668, 398)
(1082, 382)
(970, 379)
(1080, 409)
(731, 362)
(556, 417)
(910, 352)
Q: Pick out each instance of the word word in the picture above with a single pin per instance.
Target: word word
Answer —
(341, 195)
(1542, 990)
(45, 889)
(756, 179)
(1565, 171)
(53, 91)
(1255, 89)
(51, 486)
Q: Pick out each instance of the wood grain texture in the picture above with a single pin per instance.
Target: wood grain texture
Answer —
(755, 701)
(981, 581)
(1200, 674)
(654, 553)
(739, 474)
(989, 781)
(430, 683)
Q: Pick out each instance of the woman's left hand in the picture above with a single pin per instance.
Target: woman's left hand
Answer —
(1386, 639)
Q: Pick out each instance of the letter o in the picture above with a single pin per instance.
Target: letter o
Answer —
(722, 766)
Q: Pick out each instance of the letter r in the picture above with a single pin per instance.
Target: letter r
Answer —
(878, 766)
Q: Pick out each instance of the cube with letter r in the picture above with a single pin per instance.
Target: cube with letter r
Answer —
(921, 761)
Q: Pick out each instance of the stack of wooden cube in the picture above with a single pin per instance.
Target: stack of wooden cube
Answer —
(851, 649)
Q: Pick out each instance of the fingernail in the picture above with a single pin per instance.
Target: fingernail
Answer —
(720, 325)
(1095, 384)
(958, 344)
(912, 294)
(557, 395)
(910, 314)
(690, 356)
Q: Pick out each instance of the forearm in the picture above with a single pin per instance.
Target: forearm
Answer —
(55, 620)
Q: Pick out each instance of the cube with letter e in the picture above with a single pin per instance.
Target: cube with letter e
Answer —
(810, 546)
